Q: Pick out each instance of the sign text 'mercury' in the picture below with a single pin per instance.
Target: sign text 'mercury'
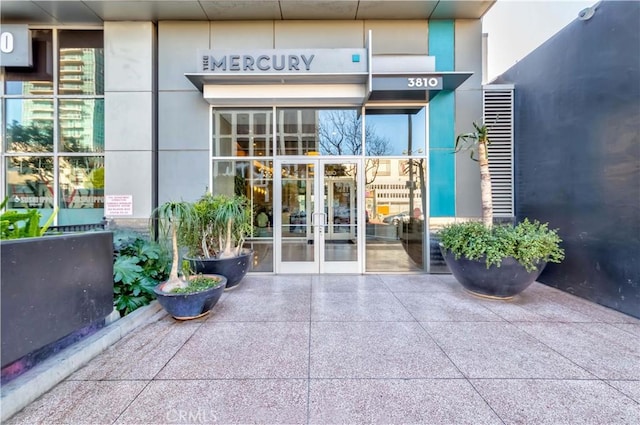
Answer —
(277, 62)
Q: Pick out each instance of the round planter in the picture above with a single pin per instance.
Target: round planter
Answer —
(234, 269)
(190, 306)
(502, 282)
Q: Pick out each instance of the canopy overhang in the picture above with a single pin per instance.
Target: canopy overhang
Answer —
(322, 89)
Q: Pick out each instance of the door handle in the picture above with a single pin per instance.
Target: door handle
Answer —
(313, 219)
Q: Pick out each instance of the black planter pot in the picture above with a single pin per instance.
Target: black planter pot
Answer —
(502, 282)
(234, 269)
(190, 306)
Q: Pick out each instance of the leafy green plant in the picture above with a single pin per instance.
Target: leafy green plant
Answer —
(220, 226)
(15, 224)
(198, 283)
(139, 265)
(528, 242)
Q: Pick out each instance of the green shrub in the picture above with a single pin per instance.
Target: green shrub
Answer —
(139, 265)
(527, 242)
(198, 283)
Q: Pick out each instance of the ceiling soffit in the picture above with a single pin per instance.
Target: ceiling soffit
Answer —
(95, 12)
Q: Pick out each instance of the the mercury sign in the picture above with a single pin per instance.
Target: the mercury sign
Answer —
(283, 61)
(260, 62)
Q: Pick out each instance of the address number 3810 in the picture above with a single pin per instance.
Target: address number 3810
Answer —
(422, 82)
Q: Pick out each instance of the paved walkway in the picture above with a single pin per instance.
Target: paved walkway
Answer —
(364, 349)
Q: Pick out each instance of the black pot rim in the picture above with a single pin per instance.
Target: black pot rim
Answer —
(245, 252)
(158, 291)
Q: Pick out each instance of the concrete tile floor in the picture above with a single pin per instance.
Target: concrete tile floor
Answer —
(364, 349)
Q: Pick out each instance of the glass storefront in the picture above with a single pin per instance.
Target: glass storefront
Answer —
(53, 127)
(312, 209)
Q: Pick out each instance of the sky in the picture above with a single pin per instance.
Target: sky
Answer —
(517, 27)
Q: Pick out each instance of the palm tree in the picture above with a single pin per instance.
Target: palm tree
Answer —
(479, 139)
(173, 217)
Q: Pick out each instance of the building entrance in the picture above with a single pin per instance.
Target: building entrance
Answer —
(331, 190)
(316, 216)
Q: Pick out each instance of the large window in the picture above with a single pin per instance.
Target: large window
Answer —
(318, 132)
(390, 145)
(53, 127)
(395, 132)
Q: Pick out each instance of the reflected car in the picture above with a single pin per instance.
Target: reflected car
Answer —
(341, 216)
(396, 219)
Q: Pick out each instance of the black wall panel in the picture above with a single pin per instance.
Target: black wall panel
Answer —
(53, 286)
(577, 152)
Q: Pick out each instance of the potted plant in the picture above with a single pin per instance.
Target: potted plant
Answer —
(215, 241)
(190, 297)
(495, 261)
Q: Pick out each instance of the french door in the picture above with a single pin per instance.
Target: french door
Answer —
(317, 216)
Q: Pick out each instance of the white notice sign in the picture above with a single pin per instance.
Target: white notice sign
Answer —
(118, 205)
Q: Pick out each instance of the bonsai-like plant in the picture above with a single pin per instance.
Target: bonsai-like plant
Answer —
(184, 297)
(220, 226)
(173, 218)
(529, 243)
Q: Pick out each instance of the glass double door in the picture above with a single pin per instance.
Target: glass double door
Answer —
(316, 216)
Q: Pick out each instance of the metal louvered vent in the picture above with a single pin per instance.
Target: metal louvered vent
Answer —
(498, 116)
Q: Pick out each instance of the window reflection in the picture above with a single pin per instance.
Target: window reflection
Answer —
(30, 182)
(81, 63)
(319, 132)
(395, 200)
(81, 125)
(29, 125)
(393, 132)
(81, 182)
(42, 122)
(242, 133)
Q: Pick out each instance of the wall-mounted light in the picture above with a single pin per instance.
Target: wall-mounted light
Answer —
(587, 13)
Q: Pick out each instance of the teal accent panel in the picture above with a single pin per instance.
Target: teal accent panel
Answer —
(442, 110)
(442, 124)
(442, 183)
(442, 44)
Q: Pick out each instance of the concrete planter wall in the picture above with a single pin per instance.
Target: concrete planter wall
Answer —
(51, 287)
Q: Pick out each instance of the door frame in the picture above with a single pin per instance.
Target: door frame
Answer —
(319, 265)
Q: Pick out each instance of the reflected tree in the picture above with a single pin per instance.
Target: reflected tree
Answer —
(31, 138)
(340, 133)
(36, 171)
(413, 167)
